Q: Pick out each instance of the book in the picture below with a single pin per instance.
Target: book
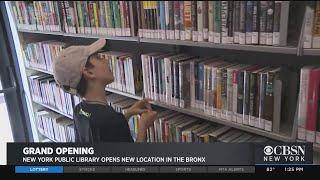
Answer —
(312, 104)
(316, 27)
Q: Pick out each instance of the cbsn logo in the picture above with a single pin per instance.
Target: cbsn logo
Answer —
(284, 153)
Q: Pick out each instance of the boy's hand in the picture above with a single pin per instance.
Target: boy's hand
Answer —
(138, 108)
(146, 120)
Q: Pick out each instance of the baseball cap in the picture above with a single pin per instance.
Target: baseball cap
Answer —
(68, 65)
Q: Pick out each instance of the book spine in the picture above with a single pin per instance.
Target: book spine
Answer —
(246, 97)
(139, 18)
(200, 20)
(218, 91)
(269, 99)
(177, 20)
(269, 24)
(312, 105)
(235, 95)
(230, 22)
(181, 88)
(276, 23)
(194, 19)
(187, 20)
(201, 85)
(171, 20)
(192, 84)
(309, 18)
(236, 21)
(255, 22)
(263, 22)
(316, 27)
(240, 97)
(229, 93)
(249, 23)
(167, 64)
(224, 18)
(96, 16)
(242, 26)
(210, 21)
(252, 99)
(205, 20)
(206, 82)
(303, 96)
(217, 22)
(224, 105)
(263, 82)
(181, 18)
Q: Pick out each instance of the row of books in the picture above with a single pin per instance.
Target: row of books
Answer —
(55, 126)
(41, 54)
(227, 22)
(309, 105)
(251, 95)
(44, 90)
(312, 25)
(126, 72)
(171, 126)
(110, 18)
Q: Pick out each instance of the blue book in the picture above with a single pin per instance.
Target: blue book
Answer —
(162, 16)
(249, 20)
(200, 81)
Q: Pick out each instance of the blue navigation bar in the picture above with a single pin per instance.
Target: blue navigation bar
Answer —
(39, 169)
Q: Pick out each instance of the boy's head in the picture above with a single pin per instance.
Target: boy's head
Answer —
(77, 67)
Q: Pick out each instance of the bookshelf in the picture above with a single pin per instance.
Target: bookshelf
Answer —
(289, 50)
(254, 48)
(54, 109)
(311, 52)
(48, 137)
(120, 38)
(196, 113)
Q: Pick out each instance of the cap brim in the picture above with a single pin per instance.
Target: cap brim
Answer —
(96, 46)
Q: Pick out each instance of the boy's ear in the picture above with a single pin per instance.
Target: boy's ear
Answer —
(88, 73)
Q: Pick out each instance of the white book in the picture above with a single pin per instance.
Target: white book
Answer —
(224, 16)
(211, 36)
(217, 38)
(236, 37)
(182, 35)
(167, 70)
(303, 99)
(205, 34)
(309, 19)
(248, 38)
(177, 34)
(269, 38)
(310, 136)
(316, 31)
(200, 20)
(163, 34)
(194, 35)
(318, 137)
(171, 34)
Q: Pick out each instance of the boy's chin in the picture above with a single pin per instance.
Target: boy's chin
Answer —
(109, 81)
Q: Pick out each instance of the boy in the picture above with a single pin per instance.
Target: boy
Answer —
(79, 70)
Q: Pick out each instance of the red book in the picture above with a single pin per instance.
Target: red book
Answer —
(312, 104)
